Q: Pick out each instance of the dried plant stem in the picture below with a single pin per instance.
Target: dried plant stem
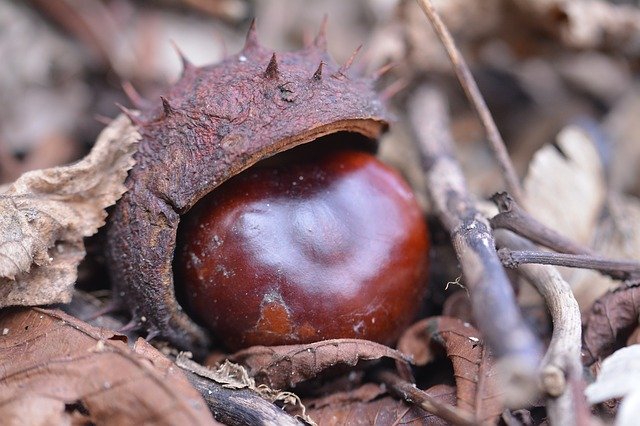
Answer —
(616, 269)
(475, 97)
(410, 393)
(234, 406)
(492, 298)
(561, 365)
(516, 219)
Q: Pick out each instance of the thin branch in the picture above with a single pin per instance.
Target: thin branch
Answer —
(475, 97)
(233, 405)
(514, 218)
(561, 366)
(410, 393)
(616, 269)
(492, 298)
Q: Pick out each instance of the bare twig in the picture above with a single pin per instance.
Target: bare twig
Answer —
(492, 298)
(616, 269)
(410, 393)
(475, 97)
(516, 219)
(233, 405)
(561, 365)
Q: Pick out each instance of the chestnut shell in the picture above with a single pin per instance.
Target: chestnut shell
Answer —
(216, 121)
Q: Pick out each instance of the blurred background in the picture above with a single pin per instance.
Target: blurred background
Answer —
(540, 64)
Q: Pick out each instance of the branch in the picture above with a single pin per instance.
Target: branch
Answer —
(232, 405)
(561, 369)
(410, 393)
(475, 97)
(616, 269)
(492, 298)
(516, 219)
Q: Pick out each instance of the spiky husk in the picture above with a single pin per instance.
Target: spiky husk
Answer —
(213, 123)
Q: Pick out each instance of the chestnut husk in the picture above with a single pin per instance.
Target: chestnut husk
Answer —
(215, 122)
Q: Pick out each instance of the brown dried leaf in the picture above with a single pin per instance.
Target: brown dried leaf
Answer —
(610, 323)
(473, 366)
(57, 369)
(359, 407)
(45, 214)
(280, 367)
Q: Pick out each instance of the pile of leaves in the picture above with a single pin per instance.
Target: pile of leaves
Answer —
(534, 289)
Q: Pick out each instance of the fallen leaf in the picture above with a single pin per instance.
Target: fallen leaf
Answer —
(365, 393)
(56, 369)
(281, 367)
(619, 377)
(477, 387)
(565, 189)
(45, 214)
(594, 24)
(623, 128)
(610, 323)
(362, 406)
(616, 236)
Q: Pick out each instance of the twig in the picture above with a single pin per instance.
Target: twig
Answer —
(616, 269)
(233, 406)
(516, 219)
(561, 365)
(410, 393)
(492, 298)
(475, 97)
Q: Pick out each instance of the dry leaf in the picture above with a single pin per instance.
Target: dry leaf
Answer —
(565, 189)
(280, 367)
(619, 377)
(45, 214)
(365, 393)
(473, 367)
(623, 128)
(57, 369)
(360, 407)
(617, 236)
(610, 323)
(593, 24)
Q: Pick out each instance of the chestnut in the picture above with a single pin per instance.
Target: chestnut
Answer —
(333, 245)
(214, 123)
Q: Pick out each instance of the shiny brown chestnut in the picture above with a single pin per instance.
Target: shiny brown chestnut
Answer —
(333, 246)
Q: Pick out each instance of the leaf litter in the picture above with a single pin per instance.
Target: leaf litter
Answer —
(57, 369)
(594, 211)
(45, 214)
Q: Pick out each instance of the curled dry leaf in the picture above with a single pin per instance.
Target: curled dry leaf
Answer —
(363, 406)
(473, 367)
(59, 370)
(610, 323)
(45, 214)
(280, 367)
